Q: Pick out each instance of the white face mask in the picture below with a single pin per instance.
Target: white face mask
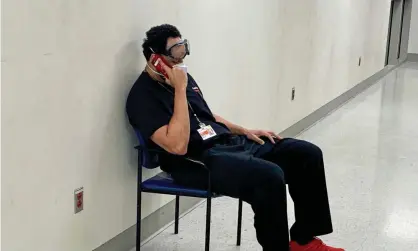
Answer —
(181, 66)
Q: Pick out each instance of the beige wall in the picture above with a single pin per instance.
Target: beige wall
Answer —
(68, 65)
(413, 33)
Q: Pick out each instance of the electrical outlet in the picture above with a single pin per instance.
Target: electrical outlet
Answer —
(293, 93)
(78, 200)
(359, 61)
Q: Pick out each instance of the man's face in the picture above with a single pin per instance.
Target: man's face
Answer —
(177, 50)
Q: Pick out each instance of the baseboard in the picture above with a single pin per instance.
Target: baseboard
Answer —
(151, 225)
(412, 57)
(164, 216)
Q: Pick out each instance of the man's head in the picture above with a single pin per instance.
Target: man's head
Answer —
(165, 40)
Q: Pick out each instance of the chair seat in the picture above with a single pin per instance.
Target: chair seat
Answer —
(164, 184)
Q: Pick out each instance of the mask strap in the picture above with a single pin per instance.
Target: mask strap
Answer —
(156, 72)
(149, 67)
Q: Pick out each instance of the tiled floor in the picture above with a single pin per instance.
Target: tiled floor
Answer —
(371, 152)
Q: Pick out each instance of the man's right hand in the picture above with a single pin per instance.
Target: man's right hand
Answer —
(177, 78)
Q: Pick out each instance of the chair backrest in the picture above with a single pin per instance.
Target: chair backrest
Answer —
(149, 160)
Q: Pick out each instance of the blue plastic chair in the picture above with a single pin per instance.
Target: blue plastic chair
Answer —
(164, 184)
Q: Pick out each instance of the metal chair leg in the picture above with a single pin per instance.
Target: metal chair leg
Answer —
(239, 222)
(208, 216)
(138, 221)
(176, 220)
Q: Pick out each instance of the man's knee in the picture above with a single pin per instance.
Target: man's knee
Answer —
(314, 150)
(268, 187)
(308, 150)
(270, 178)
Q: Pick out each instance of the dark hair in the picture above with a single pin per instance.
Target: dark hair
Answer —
(157, 39)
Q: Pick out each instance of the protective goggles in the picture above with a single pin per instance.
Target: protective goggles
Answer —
(179, 50)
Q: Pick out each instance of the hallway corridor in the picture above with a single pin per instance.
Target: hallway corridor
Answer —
(370, 147)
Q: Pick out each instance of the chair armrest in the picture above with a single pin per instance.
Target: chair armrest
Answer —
(183, 158)
(188, 159)
(198, 162)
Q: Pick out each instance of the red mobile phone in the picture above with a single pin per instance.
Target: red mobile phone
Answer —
(156, 61)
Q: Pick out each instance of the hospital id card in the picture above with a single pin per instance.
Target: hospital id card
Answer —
(206, 132)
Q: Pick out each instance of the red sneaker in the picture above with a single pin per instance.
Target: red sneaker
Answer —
(315, 245)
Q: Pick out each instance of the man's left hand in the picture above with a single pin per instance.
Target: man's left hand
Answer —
(256, 134)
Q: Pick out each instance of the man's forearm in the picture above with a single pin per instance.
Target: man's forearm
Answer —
(179, 126)
(235, 129)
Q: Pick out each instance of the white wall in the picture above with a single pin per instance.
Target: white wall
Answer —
(68, 65)
(413, 33)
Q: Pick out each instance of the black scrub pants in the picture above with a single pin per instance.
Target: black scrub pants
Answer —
(258, 175)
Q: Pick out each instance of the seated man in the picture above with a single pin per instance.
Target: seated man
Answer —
(167, 107)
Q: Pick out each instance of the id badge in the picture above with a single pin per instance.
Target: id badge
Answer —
(206, 132)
